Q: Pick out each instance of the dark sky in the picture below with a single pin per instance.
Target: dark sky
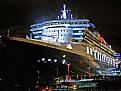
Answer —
(105, 14)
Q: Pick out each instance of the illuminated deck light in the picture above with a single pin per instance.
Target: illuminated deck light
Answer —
(55, 60)
(38, 61)
(43, 59)
(49, 60)
(64, 56)
(64, 61)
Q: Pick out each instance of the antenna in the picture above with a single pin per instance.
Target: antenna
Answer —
(64, 12)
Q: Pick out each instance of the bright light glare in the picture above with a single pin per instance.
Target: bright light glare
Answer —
(69, 46)
(38, 71)
(74, 86)
(55, 60)
(49, 59)
(64, 56)
(43, 59)
(64, 61)
(38, 61)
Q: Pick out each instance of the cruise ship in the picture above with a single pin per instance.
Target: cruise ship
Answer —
(80, 35)
(67, 41)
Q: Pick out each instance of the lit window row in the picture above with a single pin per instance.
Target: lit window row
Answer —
(57, 23)
(57, 31)
(97, 42)
(78, 36)
(77, 31)
(101, 56)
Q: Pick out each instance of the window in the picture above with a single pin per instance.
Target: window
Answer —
(75, 31)
(80, 31)
(79, 36)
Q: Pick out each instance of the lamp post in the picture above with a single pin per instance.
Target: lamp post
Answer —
(89, 71)
(57, 72)
(68, 68)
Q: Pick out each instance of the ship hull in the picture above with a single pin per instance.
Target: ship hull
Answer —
(31, 54)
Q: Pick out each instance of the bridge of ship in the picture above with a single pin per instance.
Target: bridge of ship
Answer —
(77, 57)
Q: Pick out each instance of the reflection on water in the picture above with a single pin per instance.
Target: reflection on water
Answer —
(106, 84)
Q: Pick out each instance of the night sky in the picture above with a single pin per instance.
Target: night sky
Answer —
(105, 14)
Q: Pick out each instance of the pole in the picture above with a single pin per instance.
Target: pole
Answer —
(68, 68)
(89, 71)
(8, 33)
(57, 72)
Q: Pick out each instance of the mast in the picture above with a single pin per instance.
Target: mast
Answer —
(65, 14)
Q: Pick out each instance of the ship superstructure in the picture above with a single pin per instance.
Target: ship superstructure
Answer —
(68, 30)
(64, 29)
